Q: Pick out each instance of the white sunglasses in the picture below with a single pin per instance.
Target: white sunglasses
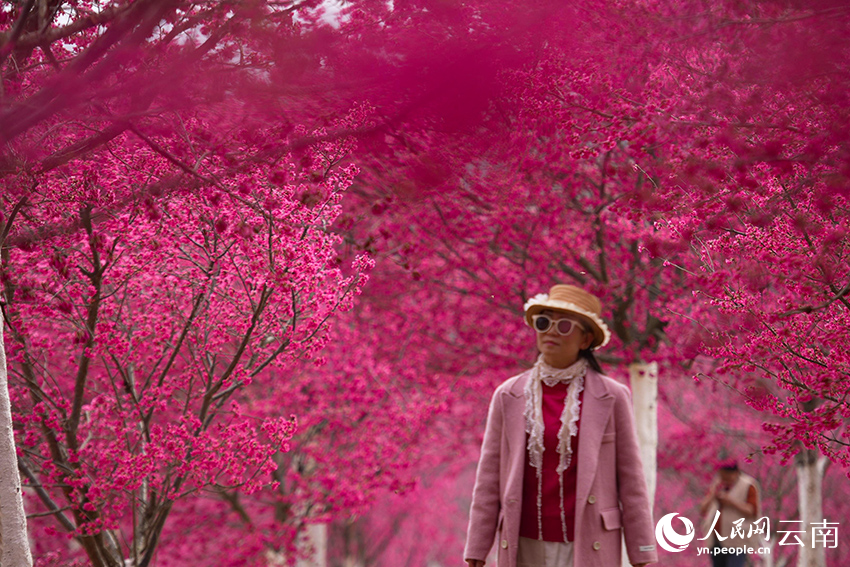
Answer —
(542, 323)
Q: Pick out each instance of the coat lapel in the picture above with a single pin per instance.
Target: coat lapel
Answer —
(514, 408)
(595, 411)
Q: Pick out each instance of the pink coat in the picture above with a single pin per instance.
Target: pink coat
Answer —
(610, 489)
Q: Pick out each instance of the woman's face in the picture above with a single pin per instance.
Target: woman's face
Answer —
(562, 350)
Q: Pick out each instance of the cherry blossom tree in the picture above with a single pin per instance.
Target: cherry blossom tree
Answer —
(164, 247)
(132, 340)
(728, 150)
(761, 195)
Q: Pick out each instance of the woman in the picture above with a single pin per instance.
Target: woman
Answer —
(560, 473)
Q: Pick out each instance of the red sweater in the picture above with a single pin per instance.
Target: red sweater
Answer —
(553, 404)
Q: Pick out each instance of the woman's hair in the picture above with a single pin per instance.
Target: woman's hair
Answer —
(587, 353)
(591, 360)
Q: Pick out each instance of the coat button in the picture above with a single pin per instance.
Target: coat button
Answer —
(591, 499)
(596, 545)
(504, 544)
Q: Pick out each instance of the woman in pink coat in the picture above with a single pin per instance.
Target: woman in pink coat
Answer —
(560, 476)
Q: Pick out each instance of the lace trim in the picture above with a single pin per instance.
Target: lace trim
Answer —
(543, 373)
(569, 420)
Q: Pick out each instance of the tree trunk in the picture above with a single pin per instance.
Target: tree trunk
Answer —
(13, 520)
(811, 466)
(317, 542)
(644, 384)
(767, 558)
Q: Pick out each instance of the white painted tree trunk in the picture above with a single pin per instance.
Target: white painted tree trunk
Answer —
(644, 384)
(811, 466)
(767, 558)
(13, 520)
(644, 381)
(317, 540)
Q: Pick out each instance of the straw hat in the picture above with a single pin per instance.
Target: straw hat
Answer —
(571, 299)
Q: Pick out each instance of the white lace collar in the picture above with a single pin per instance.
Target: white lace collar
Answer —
(542, 373)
